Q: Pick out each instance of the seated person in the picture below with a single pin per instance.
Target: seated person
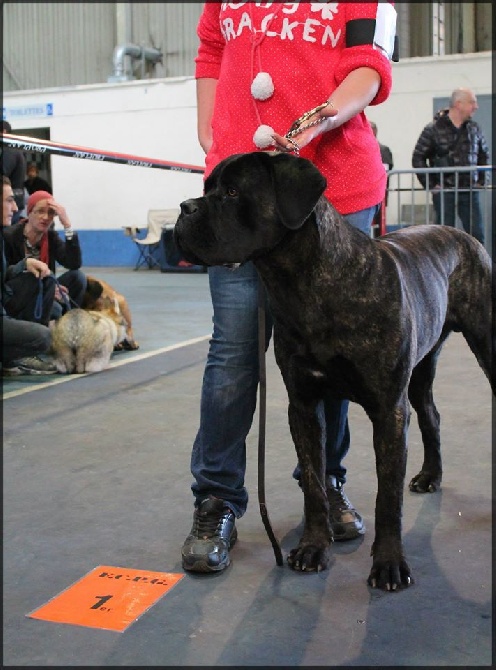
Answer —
(35, 237)
(23, 341)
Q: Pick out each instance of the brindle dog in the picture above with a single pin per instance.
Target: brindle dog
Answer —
(362, 318)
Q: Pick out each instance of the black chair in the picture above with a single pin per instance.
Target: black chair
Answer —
(149, 246)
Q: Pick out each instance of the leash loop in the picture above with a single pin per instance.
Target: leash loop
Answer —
(262, 411)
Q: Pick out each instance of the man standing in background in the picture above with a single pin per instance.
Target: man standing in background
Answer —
(34, 182)
(454, 139)
(387, 161)
(14, 167)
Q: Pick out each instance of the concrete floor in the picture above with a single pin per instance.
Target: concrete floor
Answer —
(96, 472)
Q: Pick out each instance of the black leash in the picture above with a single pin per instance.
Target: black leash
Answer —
(262, 412)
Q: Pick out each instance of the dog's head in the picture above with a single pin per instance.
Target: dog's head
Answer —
(93, 294)
(251, 202)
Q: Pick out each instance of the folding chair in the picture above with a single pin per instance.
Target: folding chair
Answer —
(149, 246)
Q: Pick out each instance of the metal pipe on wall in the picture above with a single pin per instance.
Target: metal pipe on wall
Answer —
(149, 54)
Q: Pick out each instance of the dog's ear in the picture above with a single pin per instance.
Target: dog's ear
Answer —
(298, 185)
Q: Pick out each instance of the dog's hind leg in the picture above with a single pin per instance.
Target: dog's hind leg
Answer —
(473, 312)
(483, 347)
(421, 398)
(65, 361)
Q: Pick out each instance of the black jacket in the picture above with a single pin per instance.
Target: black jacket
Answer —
(14, 167)
(441, 144)
(8, 272)
(37, 184)
(65, 252)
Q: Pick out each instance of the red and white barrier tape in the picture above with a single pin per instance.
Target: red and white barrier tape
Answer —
(73, 151)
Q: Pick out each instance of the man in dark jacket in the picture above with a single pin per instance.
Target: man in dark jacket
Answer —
(14, 167)
(454, 139)
(35, 237)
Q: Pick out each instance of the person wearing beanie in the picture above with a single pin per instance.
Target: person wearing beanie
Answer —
(36, 237)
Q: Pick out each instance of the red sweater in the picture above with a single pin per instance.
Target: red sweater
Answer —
(303, 47)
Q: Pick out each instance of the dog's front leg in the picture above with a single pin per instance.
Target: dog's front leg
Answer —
(312, 552)
(390, 570)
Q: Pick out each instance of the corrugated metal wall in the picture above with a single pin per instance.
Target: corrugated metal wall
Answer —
(170, 27)
(70, 43)
(57, 44)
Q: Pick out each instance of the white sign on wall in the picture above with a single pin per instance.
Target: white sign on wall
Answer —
(27, 111)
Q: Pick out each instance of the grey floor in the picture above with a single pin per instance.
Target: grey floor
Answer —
(96, 472)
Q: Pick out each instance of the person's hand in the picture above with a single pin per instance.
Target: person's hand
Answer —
(37, 267)
(307, 134)
(60, 212)
(60, 292)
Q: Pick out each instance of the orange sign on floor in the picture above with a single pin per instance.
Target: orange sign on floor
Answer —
(108, 597)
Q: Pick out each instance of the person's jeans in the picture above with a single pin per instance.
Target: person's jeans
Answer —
(21, 339)
(468, 207)
(230, 382)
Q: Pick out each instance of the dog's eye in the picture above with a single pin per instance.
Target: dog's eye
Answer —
(232, 192)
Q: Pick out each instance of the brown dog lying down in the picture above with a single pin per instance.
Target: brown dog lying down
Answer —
(96, 292)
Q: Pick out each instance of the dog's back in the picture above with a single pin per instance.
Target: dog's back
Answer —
(83, 341)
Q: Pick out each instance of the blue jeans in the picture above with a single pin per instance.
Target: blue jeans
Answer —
(22, 338)
(230, 383)
(467, 205)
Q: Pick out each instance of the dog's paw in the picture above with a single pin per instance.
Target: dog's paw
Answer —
(309, 558)
(392, 575)
(425, 482)
(129, 345)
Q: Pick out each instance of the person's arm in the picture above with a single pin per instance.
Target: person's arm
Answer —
(351, 97)
(67, 253)
(205, 95)
(17, 179)
(423, 150)
(18, 268)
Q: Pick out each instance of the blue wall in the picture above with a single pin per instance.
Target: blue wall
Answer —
(107, 248)
(112, 248)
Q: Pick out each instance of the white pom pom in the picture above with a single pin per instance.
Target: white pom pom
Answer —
(263, 137)
(262, 87)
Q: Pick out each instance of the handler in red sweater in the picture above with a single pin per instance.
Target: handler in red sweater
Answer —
(259, 67)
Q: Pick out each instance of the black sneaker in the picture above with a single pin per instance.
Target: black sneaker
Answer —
(30, 365)
(206, 549)
(345, 521)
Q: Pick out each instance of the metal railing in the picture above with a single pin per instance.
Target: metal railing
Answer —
(409, 203)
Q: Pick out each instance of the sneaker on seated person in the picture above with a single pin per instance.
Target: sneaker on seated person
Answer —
(30, 365)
